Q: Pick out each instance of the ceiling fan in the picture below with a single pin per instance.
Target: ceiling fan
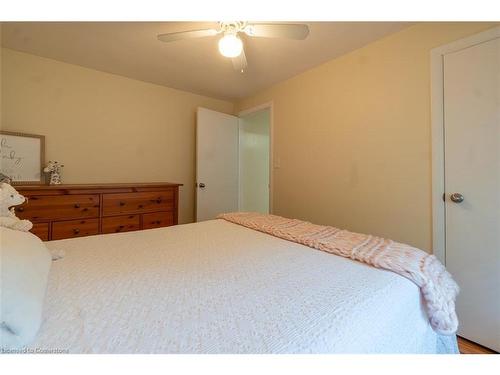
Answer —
(231, 45)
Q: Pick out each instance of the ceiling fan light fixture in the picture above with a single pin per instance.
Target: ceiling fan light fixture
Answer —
(230, 45)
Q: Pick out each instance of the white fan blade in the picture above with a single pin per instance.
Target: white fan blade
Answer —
(291, 31)
(172, 37)
(240, 62)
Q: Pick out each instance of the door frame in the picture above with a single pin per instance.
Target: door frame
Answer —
(437, 134)
(260, 107)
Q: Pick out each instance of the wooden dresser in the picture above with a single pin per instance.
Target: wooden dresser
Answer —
(67, 211)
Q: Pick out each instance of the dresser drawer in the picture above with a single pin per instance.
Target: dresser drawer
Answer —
(41, 230)
(127, 203)
(124, 223)
(157, 220)
(57, 207)
(74, 228)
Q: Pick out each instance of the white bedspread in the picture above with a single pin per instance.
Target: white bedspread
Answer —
(216, 287)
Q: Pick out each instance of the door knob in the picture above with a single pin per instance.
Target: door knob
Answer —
(201, 185)
(457, 197)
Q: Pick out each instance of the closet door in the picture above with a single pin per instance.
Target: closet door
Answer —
(472, 184)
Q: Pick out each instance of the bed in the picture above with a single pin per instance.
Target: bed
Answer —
(217, 287)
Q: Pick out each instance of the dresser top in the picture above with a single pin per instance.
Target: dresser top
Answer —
(126, 185)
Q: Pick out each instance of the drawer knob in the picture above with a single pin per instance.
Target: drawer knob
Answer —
(158, 200)
(158, 221)
(20, 209)
(141, 206)
(76, 231)
(122, 203)
(77, 205)
(121, 226)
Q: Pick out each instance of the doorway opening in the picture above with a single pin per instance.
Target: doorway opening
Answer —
(254, 160)
(234, 161)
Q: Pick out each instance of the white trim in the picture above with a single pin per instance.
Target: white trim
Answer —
(437, 131)
(260, 107)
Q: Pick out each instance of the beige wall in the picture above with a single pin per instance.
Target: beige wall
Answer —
(353, 136)
(104, 127)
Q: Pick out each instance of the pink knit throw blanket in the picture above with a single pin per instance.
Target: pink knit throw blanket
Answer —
(438, 288)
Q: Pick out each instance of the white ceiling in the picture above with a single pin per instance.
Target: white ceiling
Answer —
(131, 49)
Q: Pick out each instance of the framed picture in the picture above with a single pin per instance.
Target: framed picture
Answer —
(22, 157)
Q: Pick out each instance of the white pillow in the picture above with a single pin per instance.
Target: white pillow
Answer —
(25, 264)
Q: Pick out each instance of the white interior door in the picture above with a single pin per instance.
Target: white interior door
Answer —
(472, 170)
(216, 164)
